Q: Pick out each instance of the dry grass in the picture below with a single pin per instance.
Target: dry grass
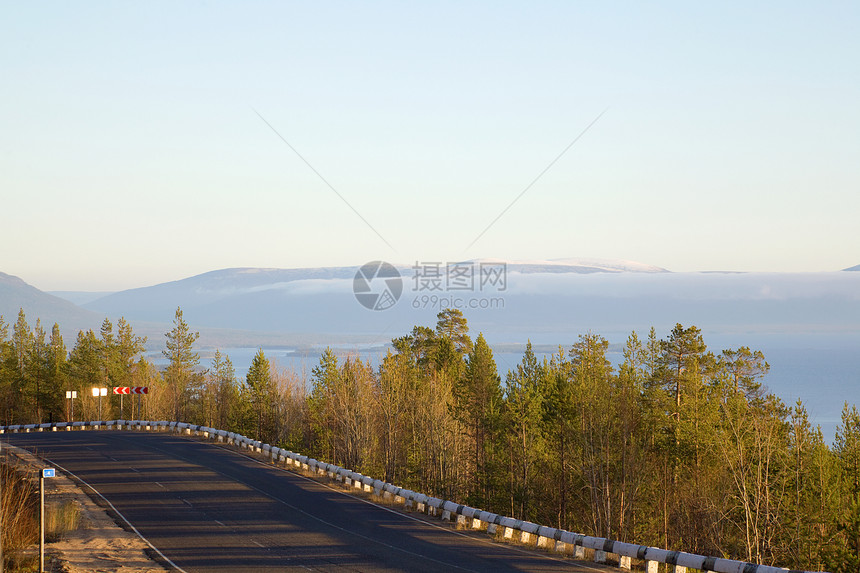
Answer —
(61, 519)
(20, 499)
(20, 514)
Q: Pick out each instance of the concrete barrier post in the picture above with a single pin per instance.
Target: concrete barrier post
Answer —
(525, 537)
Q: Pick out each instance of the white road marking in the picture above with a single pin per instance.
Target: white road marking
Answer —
(133, 528)
(448, 566)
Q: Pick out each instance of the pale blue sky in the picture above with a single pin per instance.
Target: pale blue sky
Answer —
(131, 154)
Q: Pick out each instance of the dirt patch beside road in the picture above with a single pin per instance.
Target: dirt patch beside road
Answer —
(98, 544)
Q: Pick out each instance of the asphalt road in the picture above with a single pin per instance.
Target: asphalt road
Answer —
(209, 508)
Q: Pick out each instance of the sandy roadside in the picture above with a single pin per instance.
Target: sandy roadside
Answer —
(99, 544)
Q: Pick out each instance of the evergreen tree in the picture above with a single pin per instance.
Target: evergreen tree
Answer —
(745, 368)
(181, 377)
(128, 347)
(85, 371)
(560, 409)
(259, 383)
(478, 405)
(7, 374)
(222, 392)
(325, 380)
(524, 396)
(452, 324)
(846, 446)
(56, 374)
(597, 439)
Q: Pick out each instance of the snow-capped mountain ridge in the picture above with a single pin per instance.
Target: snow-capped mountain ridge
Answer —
(578, 264)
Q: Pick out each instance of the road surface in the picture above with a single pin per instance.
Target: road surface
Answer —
(210, 508)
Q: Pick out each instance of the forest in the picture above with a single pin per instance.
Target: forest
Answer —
(678, 446)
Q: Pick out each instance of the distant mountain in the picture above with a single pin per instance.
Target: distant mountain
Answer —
(318, 300)
(79, 297)
(157, 303)
(16, 294)
(576, 265)
(548, 301)
(854, 268)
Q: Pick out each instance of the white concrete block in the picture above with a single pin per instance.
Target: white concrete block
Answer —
(525, 537)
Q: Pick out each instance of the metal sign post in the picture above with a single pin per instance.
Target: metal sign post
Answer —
(99, 392)
(46, 473)
(71, 395)
(134, 390)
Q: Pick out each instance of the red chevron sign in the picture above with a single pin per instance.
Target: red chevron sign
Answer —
(131, 390)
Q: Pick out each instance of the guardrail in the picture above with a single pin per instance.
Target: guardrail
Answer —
(541, 536)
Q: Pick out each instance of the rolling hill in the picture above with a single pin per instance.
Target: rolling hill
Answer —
(16, 294)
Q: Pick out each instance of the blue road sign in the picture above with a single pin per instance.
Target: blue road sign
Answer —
(48, 473)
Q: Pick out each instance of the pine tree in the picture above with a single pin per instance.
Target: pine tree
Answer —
(56, 375)
(846, 446)
(7, 373)
(325, 380)
(85, 371)
(478, 405)
(524, 396)
(259, 382)
(181, 376)
(598, 438)
(128, 347)
(559, 421)
(745, 368)
(452, 324)
(222, 392)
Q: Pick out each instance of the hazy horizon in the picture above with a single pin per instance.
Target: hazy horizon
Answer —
(146, 143)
